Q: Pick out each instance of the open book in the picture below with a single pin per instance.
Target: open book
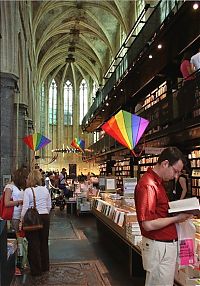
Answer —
(190, 205)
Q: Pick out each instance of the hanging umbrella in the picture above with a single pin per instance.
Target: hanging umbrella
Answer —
(126, 128)
(36, 141)
(78, 144)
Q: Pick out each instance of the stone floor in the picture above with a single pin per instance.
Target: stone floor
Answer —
(77, 253)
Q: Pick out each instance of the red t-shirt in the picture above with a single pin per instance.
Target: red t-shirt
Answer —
(151, 202)
(184, 70)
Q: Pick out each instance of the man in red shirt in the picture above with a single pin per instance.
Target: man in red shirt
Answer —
(159, 241)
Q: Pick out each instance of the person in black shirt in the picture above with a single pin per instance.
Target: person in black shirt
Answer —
(180, 187)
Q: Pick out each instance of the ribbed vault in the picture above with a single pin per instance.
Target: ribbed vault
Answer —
(78, 36)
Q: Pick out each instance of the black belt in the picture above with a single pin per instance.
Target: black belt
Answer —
(172, 240)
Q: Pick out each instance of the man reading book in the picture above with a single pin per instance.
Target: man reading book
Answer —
(159, 236)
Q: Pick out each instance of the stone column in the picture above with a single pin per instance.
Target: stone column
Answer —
(8, 83)
(22, 156)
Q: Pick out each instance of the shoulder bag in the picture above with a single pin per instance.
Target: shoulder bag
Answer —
(6, 213)
(31, 220)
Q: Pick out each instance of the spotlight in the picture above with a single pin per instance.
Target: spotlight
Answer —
(150, 56)
(159, 46)
(107, 103)
(195, 6)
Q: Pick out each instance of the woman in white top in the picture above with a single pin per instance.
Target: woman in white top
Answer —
(38, 250)
(14, 195)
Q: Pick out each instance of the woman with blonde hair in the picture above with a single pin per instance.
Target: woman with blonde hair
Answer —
(38, 250)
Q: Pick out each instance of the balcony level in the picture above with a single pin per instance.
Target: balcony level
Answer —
(137, 74)
(173, 122)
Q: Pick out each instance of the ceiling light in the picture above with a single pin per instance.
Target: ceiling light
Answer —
(103, 110)
(159, 46)
(150, 56)
(195, 6)
(107, 103)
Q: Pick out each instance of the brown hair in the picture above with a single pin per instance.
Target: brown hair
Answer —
(173, 155)
(34, 178)
(19, 178)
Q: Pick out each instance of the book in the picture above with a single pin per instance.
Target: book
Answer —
(190, 205)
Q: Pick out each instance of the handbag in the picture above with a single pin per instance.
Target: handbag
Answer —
(31, 220)
(6, 213)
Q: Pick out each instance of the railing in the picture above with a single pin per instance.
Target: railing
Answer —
(152, 25)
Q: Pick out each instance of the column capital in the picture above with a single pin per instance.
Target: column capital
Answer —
(8, 80)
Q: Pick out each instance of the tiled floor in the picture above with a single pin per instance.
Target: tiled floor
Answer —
(75, 240)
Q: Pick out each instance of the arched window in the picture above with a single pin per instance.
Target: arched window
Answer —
(68, 103)
(83, 100)
(42, 109)
(94, 89)
(53, 103)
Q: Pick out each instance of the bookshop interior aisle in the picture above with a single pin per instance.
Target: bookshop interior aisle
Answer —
(78, 257)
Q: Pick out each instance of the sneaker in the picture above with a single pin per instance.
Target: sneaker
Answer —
(17, 271)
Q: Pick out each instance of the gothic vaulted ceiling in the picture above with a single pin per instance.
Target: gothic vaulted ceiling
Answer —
(79, 38)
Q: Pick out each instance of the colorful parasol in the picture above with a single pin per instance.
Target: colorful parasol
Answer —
(36, 141)
(78, 144)
(126, 128)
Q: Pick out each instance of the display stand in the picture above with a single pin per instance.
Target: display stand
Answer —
(7, 265)
(115, 239)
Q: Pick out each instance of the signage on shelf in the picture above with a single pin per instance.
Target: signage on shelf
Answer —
(153, 150)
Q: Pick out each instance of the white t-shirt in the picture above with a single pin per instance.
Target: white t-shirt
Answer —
(42, 197)
(195, 60)
(16, 195)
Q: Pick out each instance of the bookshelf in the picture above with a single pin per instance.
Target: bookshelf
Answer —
(194, 158)
(156, 111)
(145, 162)
(124, 169)
(156, 95)
(102, 169)
(196, 111)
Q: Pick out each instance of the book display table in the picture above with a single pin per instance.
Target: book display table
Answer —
(7, 260)
(118, 230)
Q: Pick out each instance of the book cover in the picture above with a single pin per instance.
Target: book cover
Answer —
(190, 205)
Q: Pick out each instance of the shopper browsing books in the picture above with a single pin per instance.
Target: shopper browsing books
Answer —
(180, 187)
(159, 235)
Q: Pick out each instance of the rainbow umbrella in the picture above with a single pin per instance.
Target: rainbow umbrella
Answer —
(126, 128)
(36, 141)
(79, 144)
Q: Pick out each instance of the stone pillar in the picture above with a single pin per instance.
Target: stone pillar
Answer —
(22, 156)
(8, 84)
(29, 152)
